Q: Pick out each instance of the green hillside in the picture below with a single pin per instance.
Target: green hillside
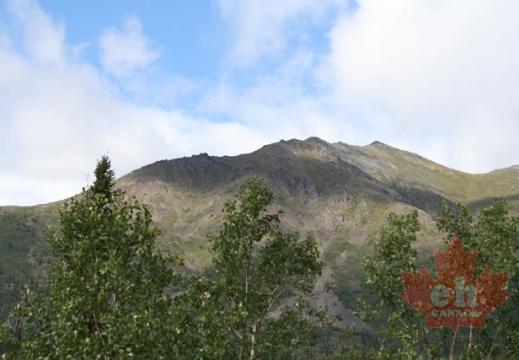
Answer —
(342, 193)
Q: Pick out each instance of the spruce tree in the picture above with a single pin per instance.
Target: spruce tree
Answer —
(104, 297)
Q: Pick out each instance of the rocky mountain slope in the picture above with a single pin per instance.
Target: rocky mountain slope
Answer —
(342, 193)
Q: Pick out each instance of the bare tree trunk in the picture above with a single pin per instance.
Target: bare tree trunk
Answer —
(253, 341)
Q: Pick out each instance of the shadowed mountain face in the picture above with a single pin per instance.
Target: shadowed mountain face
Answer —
(341, 193)
(312, 167)
(317, 168)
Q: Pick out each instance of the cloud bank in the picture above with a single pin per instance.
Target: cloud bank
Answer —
(442, 73)
(60, 114)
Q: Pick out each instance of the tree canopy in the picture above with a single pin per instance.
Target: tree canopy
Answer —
(235, 311)
(109, 293)
(105, 290)
(495, 236)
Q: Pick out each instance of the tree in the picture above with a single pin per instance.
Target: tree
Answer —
(105, 292)
(235, 311)
(495, 236)
(403, 332)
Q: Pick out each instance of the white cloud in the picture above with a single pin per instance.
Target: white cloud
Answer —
(442, 72)
(127, 50)
(279, 106)
(58, 117)
(263, 27)
(42, 38)
(437, 78)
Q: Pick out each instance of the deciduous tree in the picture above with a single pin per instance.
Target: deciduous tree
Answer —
(105, 292)
(237, 311)
(402, 331)
(495, 236)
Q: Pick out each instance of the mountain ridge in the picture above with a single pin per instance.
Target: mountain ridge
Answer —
(397, 170)
(342, 193)
(325, 151)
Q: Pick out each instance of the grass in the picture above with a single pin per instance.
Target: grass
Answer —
(22, 243)
(23, 249)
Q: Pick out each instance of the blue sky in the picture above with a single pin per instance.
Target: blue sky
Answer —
(149, 80)
(187, 33)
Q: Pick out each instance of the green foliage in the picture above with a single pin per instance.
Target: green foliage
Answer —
(235, 311)
(105, 176)
(403, 332)
(23, 252)
(105, 296)
(393, 254)
(495, 236)
(457, 222)
(349, 347)
(105, 291)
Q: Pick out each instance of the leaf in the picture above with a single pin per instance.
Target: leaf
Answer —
(455, 299)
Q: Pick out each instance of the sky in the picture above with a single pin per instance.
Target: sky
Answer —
(142, 81)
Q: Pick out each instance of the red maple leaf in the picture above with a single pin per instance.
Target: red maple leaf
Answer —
(455, 299)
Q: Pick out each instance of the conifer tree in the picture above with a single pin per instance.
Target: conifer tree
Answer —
(104, 297)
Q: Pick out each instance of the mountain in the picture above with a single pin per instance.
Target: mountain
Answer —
(341, 192)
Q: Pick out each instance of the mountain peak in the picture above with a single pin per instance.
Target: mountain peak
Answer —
(379, 144)
(324, 166)
(313, 147)
(311, 140)
(316, 140)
